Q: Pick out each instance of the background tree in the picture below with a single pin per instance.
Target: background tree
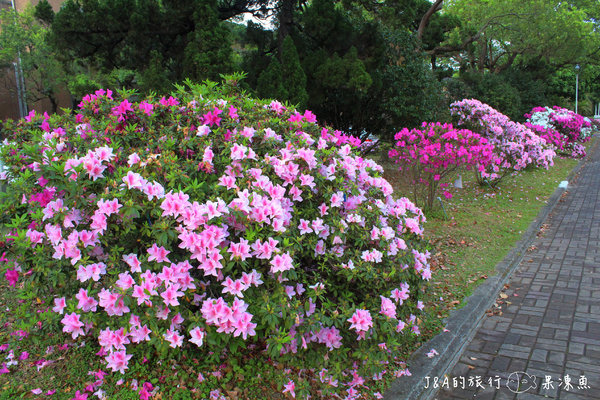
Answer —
(187, 37)
(23, 37)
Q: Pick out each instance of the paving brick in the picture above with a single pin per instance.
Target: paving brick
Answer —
(539, 355)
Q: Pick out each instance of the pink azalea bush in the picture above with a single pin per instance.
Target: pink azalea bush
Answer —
(216, 225)
(562, 128)
(516, 146)
(430, 154)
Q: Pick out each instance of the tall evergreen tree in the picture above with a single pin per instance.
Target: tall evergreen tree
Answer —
(208, 52)
(108, 35)
(270, 82)
(293, 76)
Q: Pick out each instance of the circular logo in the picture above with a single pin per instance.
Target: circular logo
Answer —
(520, 382)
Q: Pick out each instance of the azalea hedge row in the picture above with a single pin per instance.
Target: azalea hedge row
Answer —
(429, 155)
(217, 225)
(562, 128)
(487, 142)
(515, 145)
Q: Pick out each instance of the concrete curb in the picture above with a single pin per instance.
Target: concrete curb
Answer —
(463, 323)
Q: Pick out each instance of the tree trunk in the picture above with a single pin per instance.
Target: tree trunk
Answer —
(286, 21)
(425, 20)
(482, 54)
(53, 102)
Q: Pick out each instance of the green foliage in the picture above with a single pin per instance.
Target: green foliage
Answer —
(410, 92)
(495, 90)
(293, 77)
(23, 37)
(155, 77)
(270, 82)
(161, 41)
(361, 77)
(44, 12)
(529, 30)
(208, 51)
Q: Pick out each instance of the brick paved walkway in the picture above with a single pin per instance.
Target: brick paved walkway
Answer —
(551, 328)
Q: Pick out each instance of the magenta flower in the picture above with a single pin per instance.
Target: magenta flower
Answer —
(118, 361)
(12, 276)
(197, 336)
(80, 396)
(289, 388)
(361, 320)
(158, 253)
(388, 308)
(146, 108)
(72, 325)
(281, 263)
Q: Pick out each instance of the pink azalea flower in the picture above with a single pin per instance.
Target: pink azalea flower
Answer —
(133, 159)
(197, 335)
(432, 353)
(158, 253)
(118, 361)
(133, 180)
(140, 334)
(104, 153)
(125, 281)
(85, 303)
(12, 276)
(171, 294)
(174, 338)
(59, 305)
(277, 107)
(235, 287)
(361, 320)
(388, 308)
(281, 263)
(239, 250)
(132, 260)
(203, 130)
(289, 388)
(72, 325)
(80, 396)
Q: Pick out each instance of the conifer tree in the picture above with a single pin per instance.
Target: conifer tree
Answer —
(270, 82)
(294, 78)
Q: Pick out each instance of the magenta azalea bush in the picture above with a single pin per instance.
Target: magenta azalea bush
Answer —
(516, 146)
(430, 154)
(561, 127)
(215, 225)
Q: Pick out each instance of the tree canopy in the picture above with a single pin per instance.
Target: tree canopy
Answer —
(363, 66)
(493, 35)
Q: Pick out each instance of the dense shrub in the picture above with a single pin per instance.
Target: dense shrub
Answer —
(516, 146)
(217, 225)
(561, 127)
(430, 154)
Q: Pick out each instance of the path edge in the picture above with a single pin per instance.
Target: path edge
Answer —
(464, 322)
